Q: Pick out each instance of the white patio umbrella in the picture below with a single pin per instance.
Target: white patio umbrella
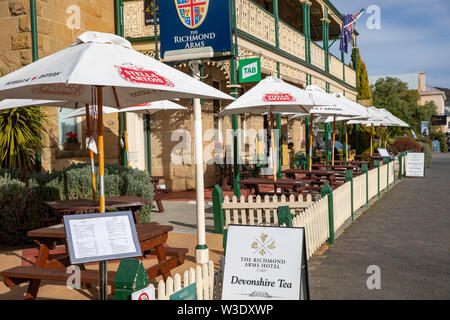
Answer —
(377, 119)
(145, 108)
(16, 103)
(326, 105)
(352, 104)
(271, 95)
(103, 69)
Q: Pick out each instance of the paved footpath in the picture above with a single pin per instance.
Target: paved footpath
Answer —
(406, 234)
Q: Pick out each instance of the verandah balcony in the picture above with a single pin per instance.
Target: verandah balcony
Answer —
(254, 20)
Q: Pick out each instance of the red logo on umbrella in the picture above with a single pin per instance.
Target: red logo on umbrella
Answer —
(132, 73)
(278, 97)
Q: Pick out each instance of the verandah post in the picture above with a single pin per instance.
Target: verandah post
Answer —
(217, 200)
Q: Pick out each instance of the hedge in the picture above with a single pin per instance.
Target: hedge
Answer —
(21, 203)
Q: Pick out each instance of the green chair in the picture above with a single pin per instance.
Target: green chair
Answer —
(284, 216)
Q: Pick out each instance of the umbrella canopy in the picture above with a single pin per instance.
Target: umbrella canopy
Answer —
(377, 118)
(16, 103)
(145, 108)
(343, 100)
(395, 119)
(128, 77)
(103, 69)
(271, 95)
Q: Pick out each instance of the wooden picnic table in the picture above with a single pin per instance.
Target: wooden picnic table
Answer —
(321, 176)
(152, 237)
(58, 208)
(159, 192)
(339, 168)
(287, 186)
(348, 162)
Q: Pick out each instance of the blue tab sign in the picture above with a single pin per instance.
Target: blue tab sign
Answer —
(189, 24)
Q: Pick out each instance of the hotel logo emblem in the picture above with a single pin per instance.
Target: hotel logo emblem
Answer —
(262, 246)
(192, 13)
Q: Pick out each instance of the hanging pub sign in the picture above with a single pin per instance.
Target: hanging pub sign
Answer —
(438, 120)
(265, 263)
(194, 24)
(149, 11)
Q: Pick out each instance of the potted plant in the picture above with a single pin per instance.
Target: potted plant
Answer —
(72, 142)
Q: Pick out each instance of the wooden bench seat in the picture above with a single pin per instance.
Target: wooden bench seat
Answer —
(18, 275)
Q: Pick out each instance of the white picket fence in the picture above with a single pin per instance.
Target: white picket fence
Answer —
(261, 210)
(202, 275)
(312, 215)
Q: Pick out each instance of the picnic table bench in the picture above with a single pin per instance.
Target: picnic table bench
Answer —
(339, 168)
(57, 208)
(152, 237)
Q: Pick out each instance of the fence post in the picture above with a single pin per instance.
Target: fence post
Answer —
(365, 169)
(219, 218)
(349, 177)
(387, 176)
(284, 216)
(327, 190)
(376, 164)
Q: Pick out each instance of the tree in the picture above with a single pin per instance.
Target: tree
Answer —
(364, 92)
(21, 131)
(393, 95)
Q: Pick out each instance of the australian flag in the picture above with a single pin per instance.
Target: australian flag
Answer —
(348, 25)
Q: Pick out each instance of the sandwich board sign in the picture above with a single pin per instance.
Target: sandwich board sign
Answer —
(249, 70)
(265, 263)
(101, 236)
(415, 164)
(192, 24)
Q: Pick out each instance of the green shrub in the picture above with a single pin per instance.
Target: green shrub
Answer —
(15, 218)
(21, 203)
(425, 148)
(404, 144)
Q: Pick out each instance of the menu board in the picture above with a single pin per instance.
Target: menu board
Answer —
(415, 164)
(101, 236)
(265, 263)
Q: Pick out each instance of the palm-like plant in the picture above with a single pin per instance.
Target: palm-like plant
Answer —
(21, 131)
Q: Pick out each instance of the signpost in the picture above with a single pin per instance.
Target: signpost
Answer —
(265, 263)
(415, 164)
(249, 70)
(101, 236)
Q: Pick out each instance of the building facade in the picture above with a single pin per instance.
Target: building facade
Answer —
(291, 38)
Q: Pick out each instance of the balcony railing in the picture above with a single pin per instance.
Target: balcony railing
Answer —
(257, 22)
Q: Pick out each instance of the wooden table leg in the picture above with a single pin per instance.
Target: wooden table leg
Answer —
(42, 259)
(161, 255)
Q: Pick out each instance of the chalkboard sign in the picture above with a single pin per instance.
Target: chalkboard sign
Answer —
(415, 164)
(265, 263)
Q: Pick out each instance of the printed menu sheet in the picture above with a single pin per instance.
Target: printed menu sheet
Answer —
(101, 236)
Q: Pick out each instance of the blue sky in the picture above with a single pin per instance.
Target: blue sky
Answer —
(414, 37)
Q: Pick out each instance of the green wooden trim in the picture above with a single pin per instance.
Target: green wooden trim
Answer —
(201, 247)
(277, 19)
(149, 143)
(219, 217)
(142, 39)
(328, 191)
(289, 56)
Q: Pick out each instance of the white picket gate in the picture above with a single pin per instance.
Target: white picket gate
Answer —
(260, 210)
(202, 275)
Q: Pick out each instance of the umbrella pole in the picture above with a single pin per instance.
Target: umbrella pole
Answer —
(103, 287)
(385, 138)
(346, 140)
(91, 153)
(125, 136)
(381, 138)
(310, 141)
(273, 147)
(334, 139)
